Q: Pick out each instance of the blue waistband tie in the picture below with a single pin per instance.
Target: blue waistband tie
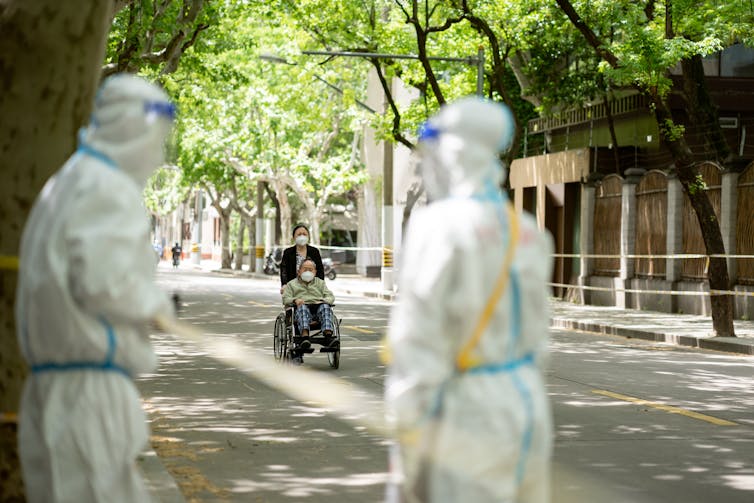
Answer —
(108, 365)
(506, 366)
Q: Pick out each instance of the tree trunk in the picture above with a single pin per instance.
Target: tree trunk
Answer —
(239, 244)
(252, 244)
(702, 111)
(224, 236)
(613, 136)
(50, 56)
(688, 175)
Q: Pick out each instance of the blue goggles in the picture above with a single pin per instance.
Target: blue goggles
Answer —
(163, 108)
(427, 132)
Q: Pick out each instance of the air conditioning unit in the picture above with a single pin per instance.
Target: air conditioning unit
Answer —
(729, 122)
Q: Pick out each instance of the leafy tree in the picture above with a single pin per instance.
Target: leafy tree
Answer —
(637, 44)
(155, 34)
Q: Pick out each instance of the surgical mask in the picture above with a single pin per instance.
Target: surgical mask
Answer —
(302, 239)
(307, 275)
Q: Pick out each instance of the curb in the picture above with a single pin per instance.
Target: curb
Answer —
(728, 345)
(160, 483)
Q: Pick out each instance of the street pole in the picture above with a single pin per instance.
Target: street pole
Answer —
(388, 224)
(196, 246)
(259, 231)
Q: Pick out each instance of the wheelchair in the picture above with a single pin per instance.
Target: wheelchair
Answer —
(286, 338)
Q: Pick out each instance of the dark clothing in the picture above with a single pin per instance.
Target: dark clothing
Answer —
(176, 251)
(288, 265)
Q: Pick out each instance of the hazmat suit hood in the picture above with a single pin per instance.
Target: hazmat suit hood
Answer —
(131, 120)
(459, 147)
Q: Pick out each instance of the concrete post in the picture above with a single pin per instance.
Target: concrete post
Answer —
(728, 211)
(627, 234)
(674, 240)
(586, 238)
(259, 229)
(196, 244)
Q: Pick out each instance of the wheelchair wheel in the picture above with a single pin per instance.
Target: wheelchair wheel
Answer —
(278, 338)
(333, 358)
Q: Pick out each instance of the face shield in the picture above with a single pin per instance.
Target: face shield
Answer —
(460, 146)
(131, 120)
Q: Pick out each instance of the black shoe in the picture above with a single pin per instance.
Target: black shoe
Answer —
(305, 344)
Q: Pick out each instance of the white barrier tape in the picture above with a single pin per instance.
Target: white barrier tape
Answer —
(341, 398)
(668, 292)
(351, 248)
(676, 256)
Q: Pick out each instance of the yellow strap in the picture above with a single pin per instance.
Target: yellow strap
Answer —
(8, 263)
(466, 359)
(8, 418)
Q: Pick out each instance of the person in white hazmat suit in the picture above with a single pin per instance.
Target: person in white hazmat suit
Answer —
(85, 298)
(465, 389)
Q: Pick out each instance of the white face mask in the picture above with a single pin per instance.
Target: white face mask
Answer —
(302, 239)
(307, 276)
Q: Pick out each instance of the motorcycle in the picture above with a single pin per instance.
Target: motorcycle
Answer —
(274, 258)
(329, 266)
(272, 262)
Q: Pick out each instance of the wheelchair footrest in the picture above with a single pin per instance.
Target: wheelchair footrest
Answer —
(332, 349)
(307, 350)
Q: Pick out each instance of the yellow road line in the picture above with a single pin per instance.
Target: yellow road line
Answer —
(666, 408)
(259, 304)
(358, 329)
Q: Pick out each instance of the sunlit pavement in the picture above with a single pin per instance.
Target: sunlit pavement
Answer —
(225, 437)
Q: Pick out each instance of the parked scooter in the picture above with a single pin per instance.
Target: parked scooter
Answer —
(272, 261)
(329, 266)
(275, 257)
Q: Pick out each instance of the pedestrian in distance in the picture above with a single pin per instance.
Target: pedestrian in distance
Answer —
(312, 300)
(465, 388)
(85, 299)
(296, 254)
(176, 250)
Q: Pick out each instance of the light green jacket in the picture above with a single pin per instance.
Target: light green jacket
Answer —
(314, 292)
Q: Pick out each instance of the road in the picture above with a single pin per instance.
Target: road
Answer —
(635, 421)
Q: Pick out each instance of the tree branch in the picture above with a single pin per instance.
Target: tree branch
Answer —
(588, 34)
(396, 132)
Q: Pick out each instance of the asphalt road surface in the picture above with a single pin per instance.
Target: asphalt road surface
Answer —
(635, 421)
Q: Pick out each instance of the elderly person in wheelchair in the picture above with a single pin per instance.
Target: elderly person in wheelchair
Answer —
(313, 301)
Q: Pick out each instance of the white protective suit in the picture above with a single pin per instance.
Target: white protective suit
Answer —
(481, 434)
(85, 297)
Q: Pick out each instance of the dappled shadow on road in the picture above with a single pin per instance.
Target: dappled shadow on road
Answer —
(675, 432)
(225, 436)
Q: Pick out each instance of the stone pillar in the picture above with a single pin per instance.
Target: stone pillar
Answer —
(627, 234)
(674, 240)
(728, 211)
(586, 239)
(541, 205)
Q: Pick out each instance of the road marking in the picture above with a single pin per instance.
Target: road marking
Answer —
(358, 329)
(667, 408)
(259, 304)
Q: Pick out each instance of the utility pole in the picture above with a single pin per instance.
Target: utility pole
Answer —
(259, 228)
(196, 245)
